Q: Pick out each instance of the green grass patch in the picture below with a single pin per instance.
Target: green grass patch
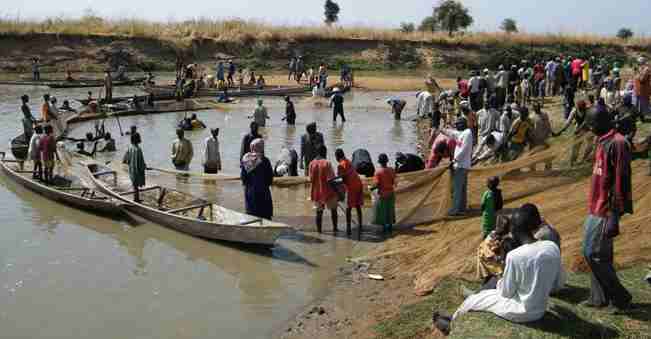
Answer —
(564, 318)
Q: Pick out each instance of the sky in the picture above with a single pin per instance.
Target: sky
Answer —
(536, 16)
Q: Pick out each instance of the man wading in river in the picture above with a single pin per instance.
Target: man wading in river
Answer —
(248, 139)
(182, 152)
(310, 143)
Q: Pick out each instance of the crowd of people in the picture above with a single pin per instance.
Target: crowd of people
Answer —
(486, 118)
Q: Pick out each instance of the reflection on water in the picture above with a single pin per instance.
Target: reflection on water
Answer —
(108, 279)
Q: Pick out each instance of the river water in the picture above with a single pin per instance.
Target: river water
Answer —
(69, 274)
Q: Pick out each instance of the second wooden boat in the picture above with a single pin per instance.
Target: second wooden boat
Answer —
(75, 195)
(186, 213)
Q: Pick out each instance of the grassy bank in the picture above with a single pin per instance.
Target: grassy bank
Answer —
(237, 30)
(91, 42)
(564, 318)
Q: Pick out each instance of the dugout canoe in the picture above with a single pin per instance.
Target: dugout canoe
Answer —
(172, 106)
(80, 197)
(166, 91)
(189, 214)
(72, 84)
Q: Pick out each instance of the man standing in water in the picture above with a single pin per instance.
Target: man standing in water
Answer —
(28, 118)
(310, 143)
(322, 194)
(337, 104)
(108, 87)
(248, 139)
(290, 112)
(610, 197)
(354, 191)
(182, 152)
(136, 162)
(397, 105)
(212, 163)
(260, 114)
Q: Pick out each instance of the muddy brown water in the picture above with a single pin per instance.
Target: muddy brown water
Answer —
(69, 274)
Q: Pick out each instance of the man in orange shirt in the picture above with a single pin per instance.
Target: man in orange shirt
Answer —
(46, 113)
(642, 87)
(354, 189)
(323, 195)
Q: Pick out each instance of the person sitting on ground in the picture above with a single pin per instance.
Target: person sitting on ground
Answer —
(442, 147)
(109, 144)
(397, 105)
(520, 135)
(384, 182)
(322, 193)
(362, 163)
(354, 190)
(491, 203)
(492, 251)
(212, 161)
(182, 152)
(531, 272)
(409, 162)
(135, 159)
(287, 164)
(290, 112)
(490, 148)
(542, 127)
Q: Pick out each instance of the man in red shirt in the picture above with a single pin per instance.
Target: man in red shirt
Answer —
(323, 195)
(610, 198)
(354, 190)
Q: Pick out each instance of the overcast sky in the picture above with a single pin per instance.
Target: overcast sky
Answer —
(579, 16)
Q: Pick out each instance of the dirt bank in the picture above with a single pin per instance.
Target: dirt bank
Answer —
(95, 52)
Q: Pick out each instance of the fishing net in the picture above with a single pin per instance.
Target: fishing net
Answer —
(421, 197)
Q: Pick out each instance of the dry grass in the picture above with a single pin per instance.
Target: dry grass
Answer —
(237, 30)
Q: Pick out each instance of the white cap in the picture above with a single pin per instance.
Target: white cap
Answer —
(641, 60)
(336, 89)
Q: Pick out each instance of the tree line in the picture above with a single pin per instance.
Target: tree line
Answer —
(449, 16)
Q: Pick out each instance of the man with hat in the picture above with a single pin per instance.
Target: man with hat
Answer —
(460, 165)
(642, 87)
(337, 104)
(610, 198)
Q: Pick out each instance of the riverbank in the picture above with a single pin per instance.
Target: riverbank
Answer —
(424, 267)
(266, 52)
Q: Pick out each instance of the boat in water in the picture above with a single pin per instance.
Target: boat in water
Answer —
(82, 83)
(186, 213)
(68, 190)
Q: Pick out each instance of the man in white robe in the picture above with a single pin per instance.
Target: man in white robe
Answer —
(532, 272)
(425, 103)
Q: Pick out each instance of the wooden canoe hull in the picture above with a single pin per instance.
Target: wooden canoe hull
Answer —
(83, 117)
(264, 235)
(72, 84)
(107, 207)
(166, 91)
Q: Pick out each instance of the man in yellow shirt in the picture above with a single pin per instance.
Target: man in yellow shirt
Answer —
(520, 135)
